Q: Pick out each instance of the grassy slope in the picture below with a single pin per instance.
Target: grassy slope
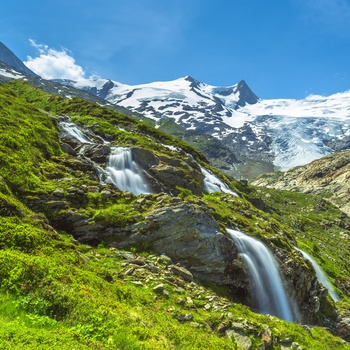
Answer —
(56, 293)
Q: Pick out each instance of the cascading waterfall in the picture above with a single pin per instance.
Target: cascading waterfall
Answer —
(72, 130)
(320, 275)
(214, 184)
(211, 182)
(267, 291)
(121, 171)
(124, 173)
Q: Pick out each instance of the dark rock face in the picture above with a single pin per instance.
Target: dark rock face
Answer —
(8, 57)
(303, 288)
(246, 95)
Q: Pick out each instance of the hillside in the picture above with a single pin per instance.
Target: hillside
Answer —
(86, 264)
(328, 176)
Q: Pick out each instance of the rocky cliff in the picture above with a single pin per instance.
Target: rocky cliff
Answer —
(328, 176)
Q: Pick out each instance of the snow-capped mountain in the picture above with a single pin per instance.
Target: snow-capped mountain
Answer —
(190, 103)
(282, 132)
(238, 132)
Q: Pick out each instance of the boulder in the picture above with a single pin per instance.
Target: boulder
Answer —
(186, 233)
(343, 328)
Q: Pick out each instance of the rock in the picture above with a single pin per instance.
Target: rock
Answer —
(144, 158)
(159, 288)
(183, 232)
(184, 273)
(153, 268)
(184, 175)
(58, 193)
(98, 153)
(66, 148)
(181, 302)
(266, 336)
(93, 189)
(106, 194)
(329, 174)
(138, 262)
(163, 259)
(238, 326)
(137, 283)
(222, 328)
(57, 205)
(207, 307)
(343, 328)
(243, 342)
(187, 317)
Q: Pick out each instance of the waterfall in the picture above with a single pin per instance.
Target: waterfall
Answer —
(124, 173)
(320, 275)
(214, 184)
(72, 130)
(267, 291)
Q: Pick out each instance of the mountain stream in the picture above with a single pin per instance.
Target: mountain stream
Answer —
(266, 289)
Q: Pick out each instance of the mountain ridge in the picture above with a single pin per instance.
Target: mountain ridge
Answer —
(8, 57)
(256, 135)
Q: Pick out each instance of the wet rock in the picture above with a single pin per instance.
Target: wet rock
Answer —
(98, 153)
(144, 158)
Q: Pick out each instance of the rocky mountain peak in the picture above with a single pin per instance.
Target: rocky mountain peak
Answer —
(8, 57)
(246, 95)
(194, 82)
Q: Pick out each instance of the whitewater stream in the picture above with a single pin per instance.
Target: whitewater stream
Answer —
(213, 184)
(267, 291)
(124, 173)
(322, 278)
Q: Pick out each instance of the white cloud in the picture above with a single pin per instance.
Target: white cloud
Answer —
(54, 64)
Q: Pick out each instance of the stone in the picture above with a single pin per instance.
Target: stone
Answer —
(184, 232)
(66, 148)
(189, 301)
(181, 302)
(207, 307)
(153, 268)
(243, 341)
(343, 328)
(137, 283)
(58, 193)
(222, 328)
(159, 288)
(57, 205)
(182, 272)
(186, 317)
(106, 194)
(138, 262)
(266, 336)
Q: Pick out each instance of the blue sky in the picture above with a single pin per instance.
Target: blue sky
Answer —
(281, 48)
